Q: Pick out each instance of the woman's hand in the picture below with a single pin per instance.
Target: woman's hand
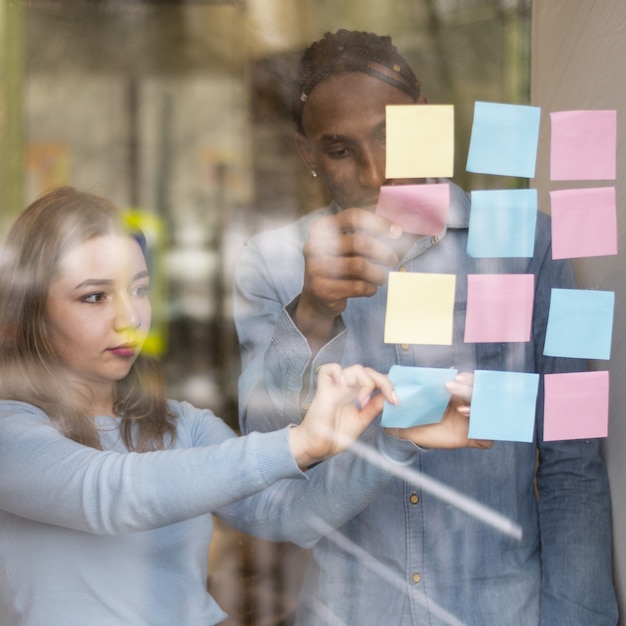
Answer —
(451, 431)
(343, 407)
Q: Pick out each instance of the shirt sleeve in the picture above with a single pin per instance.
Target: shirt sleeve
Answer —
(277, 363)
(574, 498)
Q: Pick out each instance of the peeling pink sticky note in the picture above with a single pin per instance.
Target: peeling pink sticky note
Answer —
(576, 405)
(584, 222)
(419, 209)
(499, 307)
(583, 145)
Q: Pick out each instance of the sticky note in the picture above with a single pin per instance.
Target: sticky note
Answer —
(502, 223)
(420, 141)
(503, 406)
(499, 307)
(420, 308)
(576, 405)
(580, 324)
(419, 209)
(584, 222)
(422, 394)
(504, 139)
(583, 145)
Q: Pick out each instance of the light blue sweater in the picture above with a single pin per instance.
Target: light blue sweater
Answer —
(111, 538)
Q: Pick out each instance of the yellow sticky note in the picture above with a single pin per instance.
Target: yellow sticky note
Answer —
(420, 140)
(420, 308)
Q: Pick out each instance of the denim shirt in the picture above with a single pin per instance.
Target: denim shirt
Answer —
(538, 548)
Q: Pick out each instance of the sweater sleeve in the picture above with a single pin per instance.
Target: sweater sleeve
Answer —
(49, 478)
(252, 481)
(336, 490)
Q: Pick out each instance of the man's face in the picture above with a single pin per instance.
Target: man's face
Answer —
(344, 137)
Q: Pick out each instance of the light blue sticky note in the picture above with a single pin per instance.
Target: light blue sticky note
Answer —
(422, 394)
(502, 223)
(503, 406)
(504, 139)
(580, 324)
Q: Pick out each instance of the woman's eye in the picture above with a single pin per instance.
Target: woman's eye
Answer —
(94, 298)
(141, 291)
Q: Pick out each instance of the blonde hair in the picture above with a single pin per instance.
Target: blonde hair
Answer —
(29, 364)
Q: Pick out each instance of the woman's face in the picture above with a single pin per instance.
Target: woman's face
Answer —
(345, 140)
(98, 310)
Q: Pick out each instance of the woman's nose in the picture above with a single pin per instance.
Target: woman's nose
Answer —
(126, 315)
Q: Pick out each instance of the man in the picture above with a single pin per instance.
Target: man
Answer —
(315, 292)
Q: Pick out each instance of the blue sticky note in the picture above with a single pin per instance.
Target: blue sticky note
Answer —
(502, 223)
(504, 139)
(503, 406)
(422, 394)
(580, 324)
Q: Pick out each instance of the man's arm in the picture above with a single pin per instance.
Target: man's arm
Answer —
(291, 286)
(276, 356)
(574, 499)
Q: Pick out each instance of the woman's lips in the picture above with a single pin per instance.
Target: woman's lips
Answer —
(124, 351)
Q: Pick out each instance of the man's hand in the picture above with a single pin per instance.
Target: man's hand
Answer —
(451, 431)
(346, 256)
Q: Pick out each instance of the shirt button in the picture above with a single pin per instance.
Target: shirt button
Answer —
(414, 499)
(402, 269)
(405, 347)
(416, 578)
(434, 239)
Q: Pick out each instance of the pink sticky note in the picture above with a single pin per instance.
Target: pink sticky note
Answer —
(584, 222)
(576, 405)
(499, 307)
(419, 209)
(583, 145)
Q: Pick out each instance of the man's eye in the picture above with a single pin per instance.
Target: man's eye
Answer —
(94, 298)
(339, 153)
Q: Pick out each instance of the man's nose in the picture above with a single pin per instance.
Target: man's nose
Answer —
(372, 168)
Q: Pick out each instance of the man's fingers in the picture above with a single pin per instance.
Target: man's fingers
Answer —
(356, 244)
(483, 444)
(358, 219)
(348, 268)
(354, 232)
(363, 244)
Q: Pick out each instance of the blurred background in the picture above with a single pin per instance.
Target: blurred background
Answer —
(178, 110)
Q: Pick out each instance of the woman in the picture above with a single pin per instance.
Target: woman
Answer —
(106, 488)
